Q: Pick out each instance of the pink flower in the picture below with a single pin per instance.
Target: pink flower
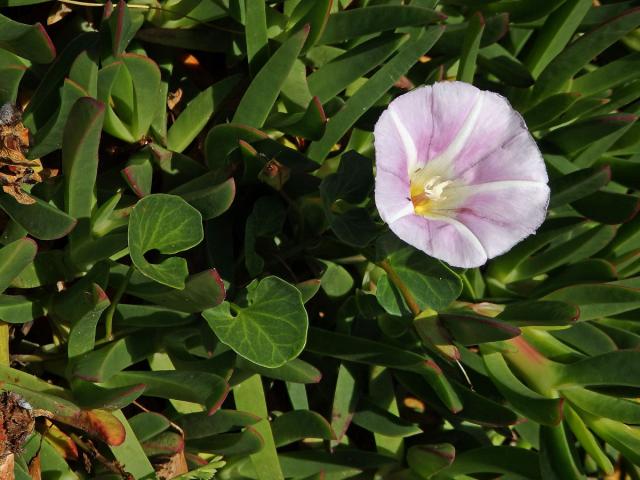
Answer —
(458, 175)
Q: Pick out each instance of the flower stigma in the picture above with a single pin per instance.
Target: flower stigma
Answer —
(426, 193)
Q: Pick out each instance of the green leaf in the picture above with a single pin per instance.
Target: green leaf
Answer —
(294, 371)
(500, 62)
(500, 459)
(90, 395)
(270, 330)
(123, 27)
(308, 124)
(139, 173)
(27, 41)
(263, 91)
(128, 86)
(249, 396)
(555, 34)
(538, 313)
(256, 34)
(204, 388)
(41, 220)
(41, 107)
(10, 78)
(616, 368)
(168, 224)
(525, 11)
(470, 47)
(14, 257)
(333, 77)
(623, 438)
(427, 460)
(49, 137)
(576, 136)
(352, 182)
(317, 16)
(620, 409)
(577, 185)
(579, 247)
(164, 445)
(102, 363)
(300, 424)
(198, 112)
(475, 329)
(19, 309)
(377, 420)
(202, 290)
(249, 442)
(608, 76)
(223, 139)
(358, 22)
(548, 112)
(376, 87)
(453, 37)
(265, 221)
(587, 440)
(202, 425)
(210, 200)
(566, 64)
(546, 411)
(432, 284)
(597, 301)
(556, 456)
(147, 425)
(84, 320)
(608, 207)
(361, 350)
(130, 453)
(336, 280)
(80, 144)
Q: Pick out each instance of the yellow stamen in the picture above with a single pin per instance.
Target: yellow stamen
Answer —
(425, 193)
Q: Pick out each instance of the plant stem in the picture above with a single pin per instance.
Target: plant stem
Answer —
(400, 285)
(108, 319)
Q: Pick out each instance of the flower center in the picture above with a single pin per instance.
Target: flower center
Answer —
(425, 193)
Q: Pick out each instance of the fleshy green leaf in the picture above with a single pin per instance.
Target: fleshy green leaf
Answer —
(168, 224)
(270, 330)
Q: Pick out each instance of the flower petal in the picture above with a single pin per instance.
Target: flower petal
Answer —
(499, 146)
(403, 132)
(516, 159)
(446, 239)
(392, 196)
(501, 214)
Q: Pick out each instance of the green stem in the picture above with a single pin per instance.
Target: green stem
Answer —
(400, 285)
(249, 397)
(4, 344)
(108, 319)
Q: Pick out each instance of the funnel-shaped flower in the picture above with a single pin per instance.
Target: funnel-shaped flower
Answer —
(457, 173)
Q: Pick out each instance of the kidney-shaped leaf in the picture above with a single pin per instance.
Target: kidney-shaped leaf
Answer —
(168, 224)
(271, 330)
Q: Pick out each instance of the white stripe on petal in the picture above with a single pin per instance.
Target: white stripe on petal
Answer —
(465, 232)
(445, 159)
(407, 210)
(466, 190)
(409, 145)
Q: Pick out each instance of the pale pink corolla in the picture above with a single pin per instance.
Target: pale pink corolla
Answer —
(458, 175)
